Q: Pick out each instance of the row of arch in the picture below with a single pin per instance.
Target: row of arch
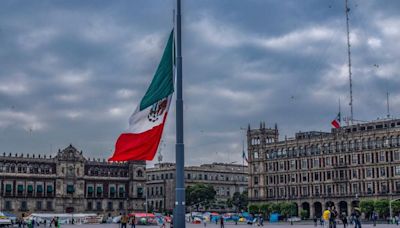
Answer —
(318, 208)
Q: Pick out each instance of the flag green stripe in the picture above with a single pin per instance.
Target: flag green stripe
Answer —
(162, 84)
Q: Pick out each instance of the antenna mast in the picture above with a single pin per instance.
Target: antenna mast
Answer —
(387, 103)
(349, 57)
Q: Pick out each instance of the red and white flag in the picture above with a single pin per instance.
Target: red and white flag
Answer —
(146, 124)
(336, 122)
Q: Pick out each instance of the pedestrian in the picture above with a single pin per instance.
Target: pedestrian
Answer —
(374, 217)
(124, 220)
(344, 219)
(315, 220)
(204, 221)
(133, 221)
(356, 217)
(326, 216)
(222, 222)
(261, 221)
(332, 218)
(321, 221)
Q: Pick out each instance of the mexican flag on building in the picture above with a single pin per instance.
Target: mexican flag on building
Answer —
(146, 124)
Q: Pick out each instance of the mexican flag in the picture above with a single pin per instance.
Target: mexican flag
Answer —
(146, 124)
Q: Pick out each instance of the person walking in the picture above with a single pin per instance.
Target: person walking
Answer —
(315, 220)
(124, 220)
(326, 216)
(356, 217)
(374, 217)
(332, 218)
(343, 217)
(222, 222)
(133, 221)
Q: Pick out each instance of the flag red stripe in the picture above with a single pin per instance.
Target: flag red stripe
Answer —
(138, 146)
(335, 124)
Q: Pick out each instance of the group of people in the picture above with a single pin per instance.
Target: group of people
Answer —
(32, 223)
(330, 216)
(125, 220)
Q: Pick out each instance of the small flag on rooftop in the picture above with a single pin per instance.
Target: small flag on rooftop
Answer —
(336, 122)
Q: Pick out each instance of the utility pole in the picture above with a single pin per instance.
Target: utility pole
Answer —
(179, 213)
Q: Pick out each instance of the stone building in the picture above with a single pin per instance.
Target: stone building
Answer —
(320, 169)
(69, 183)
(225, 178)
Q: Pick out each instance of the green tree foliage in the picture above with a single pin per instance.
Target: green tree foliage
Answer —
(396, 207)
(287, 209)
(382, 208)
(367, 207)
(303, 214)
(200, 194)
(254, 208)
(238, 200)
(276, 207)
(265, 208)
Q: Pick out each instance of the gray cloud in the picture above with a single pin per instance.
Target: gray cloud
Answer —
(73, 71)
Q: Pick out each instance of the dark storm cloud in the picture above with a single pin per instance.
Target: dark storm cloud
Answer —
(73, 71)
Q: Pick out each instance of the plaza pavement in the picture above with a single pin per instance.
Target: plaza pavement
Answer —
(267, 225)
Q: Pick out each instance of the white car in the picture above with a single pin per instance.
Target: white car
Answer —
(5, 222)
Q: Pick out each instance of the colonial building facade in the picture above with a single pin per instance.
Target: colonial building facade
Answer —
(225, 178)
(69, 183)
(320, 169)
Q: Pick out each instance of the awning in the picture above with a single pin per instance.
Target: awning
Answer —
(8, 187)
(20, 188)
(90, 189)
(121, 189)
(112, 190)
(39, 188)
(30, 188)
(49, 189)
(99, 189)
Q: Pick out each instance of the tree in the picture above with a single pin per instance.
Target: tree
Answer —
(382, 208)
(367, 207)
(276, 207)
(288, 209)
(265, 208)
(396, 207)
(254, 208)
(238, 200)
(200, 194)
(303, 214)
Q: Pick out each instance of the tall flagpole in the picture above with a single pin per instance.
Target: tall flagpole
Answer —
(179, 213)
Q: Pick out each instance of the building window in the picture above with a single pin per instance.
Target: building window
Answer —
(304, 177)
(98, 206)
(382, 156)
(304, 164)
(255, 180)
(281, 166)
(20, 188)
(292, 164)
(397, 170)
(8, 188)
(24, 206)
(369, 172)
(49, 189)
(382, 171)
(305, 191)
(255, 193)
(293, 179)
(8, 205)
(139, 192)
(121, 205)
(368, 157)
(355, 188)
(397, 186)
(110, 206)
(49, 205)
(316, 162)
(70, 188)
(39, 188)
(38, 205)
(328, 175)
(328, 161)
(396, 155)
(316, 190)
(89, 206)
(384, 187)
(329, 189)
(354, 174)
(369, 188)
(316, 176)
(99, 190)
(354, 158)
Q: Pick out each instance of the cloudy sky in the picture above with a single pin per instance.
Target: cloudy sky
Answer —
(73, 71)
